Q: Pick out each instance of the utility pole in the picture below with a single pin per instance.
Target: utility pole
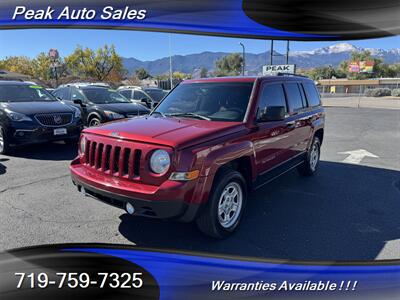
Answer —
(287, 52)
(244, 59)
(271, 54)
(170, 62)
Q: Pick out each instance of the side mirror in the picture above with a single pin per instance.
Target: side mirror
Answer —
(79, 102)
(144, 100)
(273, 113)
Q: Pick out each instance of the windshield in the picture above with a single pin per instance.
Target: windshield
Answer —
(24, 93)
(155, 94)
(104, 96)
(216, 101)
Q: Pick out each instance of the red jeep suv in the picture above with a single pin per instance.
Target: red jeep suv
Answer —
(203, 148)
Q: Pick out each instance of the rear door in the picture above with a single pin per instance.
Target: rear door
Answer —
(299, 120)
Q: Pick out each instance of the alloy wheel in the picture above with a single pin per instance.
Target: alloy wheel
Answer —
(230, 204)
(314, 156)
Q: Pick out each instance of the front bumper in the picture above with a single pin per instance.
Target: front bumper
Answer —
(170, 200)
(21, 134)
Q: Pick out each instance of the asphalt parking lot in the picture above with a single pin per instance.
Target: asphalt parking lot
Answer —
(348, 211)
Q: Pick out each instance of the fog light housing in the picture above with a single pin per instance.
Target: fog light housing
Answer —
(184, 176)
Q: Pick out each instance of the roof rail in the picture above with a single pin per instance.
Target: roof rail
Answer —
(290, 74)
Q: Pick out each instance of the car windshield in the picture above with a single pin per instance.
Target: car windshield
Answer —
(155, 94)
(104, 96)
(216, 101)
(24, 93)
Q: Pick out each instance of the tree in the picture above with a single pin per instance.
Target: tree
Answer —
(18, 64)
(230, 65)
(203, 73)
(181, 76)
(141, 73)
(97, 64)
(324, 73)
(361, 56)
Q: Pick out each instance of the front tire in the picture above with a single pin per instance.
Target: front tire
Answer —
(94, 122)
(4, 145)
(225, 207)
(310, 165)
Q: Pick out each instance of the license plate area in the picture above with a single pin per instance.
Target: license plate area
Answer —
(60, 131)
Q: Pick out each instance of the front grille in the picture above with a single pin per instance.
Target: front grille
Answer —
(55, 119)
(121, 161)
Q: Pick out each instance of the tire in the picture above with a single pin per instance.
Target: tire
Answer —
(210, 221)
(310, 165)
(4, 145)
(94, 121)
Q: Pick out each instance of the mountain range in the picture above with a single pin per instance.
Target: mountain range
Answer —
(331, 55)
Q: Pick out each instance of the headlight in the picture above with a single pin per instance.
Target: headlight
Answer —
(160, 161)
(17, 116)
(113, 115)
(77, 113)
(82, 145)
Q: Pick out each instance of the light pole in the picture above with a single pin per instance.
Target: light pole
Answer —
(170, 62)
(244, 59)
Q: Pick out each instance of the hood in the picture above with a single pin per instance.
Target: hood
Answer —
(37, 107)
(173, 132)
(124, 108)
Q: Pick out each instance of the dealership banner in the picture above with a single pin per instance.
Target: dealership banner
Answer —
(90, 271)
(273, 19)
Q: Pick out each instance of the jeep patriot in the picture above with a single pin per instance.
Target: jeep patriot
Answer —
(201, 151)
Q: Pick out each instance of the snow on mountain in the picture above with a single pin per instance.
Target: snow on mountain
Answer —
(331, 55)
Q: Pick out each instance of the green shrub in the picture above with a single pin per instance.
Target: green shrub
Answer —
(396, 92)
(379, 92)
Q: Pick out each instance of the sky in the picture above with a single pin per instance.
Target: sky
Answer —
(150, 45)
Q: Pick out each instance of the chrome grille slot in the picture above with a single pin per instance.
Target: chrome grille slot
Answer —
(54, 119)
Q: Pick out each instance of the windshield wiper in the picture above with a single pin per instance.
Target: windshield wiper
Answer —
(188, 114)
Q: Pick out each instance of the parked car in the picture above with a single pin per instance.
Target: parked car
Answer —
(137, 95)
(149, 96)
(99, 104)
(155, 93)
(203, 149)
(29, 114)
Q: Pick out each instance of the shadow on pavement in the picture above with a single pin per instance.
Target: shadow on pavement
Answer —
(344, 212)
(46, 151)
(3, 169)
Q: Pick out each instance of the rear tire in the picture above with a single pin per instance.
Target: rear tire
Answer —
(4, 145)
(310, 165)
(224, 209)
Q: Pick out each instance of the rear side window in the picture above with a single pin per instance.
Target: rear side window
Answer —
(294, 97)
(126, 93)
(312, 94)
(271, 95)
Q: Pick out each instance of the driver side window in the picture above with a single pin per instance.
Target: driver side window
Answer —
(76, 94)
(271, 95)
